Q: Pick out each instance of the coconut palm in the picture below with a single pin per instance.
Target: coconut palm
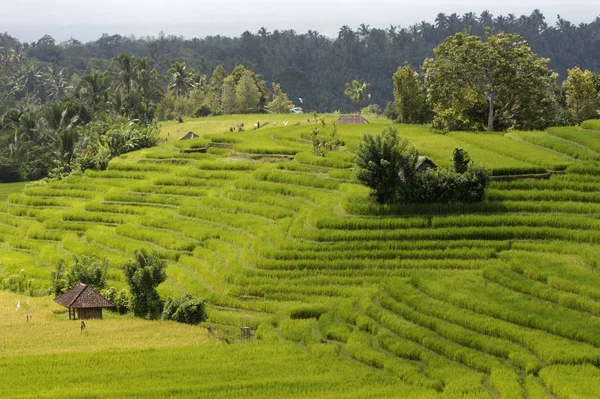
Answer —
(125, 65)
(55, 82)
(94, 88)
(180, 79)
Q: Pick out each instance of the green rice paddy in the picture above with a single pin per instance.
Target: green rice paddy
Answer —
(345, 298)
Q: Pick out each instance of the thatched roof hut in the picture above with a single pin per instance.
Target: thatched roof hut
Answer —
(83, 302)
(351, 119)
(424, 163)
(189, 136)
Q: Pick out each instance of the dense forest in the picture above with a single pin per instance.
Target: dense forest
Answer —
(309, 65)
(73, 106)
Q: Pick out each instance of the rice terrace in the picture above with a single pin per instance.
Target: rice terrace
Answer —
(343, 297)
(398, 212)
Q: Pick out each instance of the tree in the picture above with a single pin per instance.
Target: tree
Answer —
(460, 160)
(143, 275)
(216, 87)
(88, 270)
(247, 95)
(583, 100)
(228, 100)
(281, 103)
(125, 65)
(385, 164)
(410, 96)
(357, 91)
(180, 79)
(94, 88)
(474, 84)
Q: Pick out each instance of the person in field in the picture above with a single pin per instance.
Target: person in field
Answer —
(82, 325)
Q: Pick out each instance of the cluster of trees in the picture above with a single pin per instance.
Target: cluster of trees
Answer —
(315, 67)
(61, 121)
(241, 92)
(143, 274)
(388, 166)
(491, 83)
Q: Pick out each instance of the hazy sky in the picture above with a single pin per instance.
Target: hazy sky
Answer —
(87, 20)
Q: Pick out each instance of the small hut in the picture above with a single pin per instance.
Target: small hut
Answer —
(83, 302)
(424, 163)
(352, 119)
(189, 136)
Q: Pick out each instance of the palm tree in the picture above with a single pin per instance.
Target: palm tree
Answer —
(538, 20)
(61, 132)
(468, 20)
(441, 22)
(453, 23)
(125, 71)
(180, 79)
(94, 88)
(27, 81)
(363, 31)
(148, 82)
(486, 19)
(55, 82)
(263, 33)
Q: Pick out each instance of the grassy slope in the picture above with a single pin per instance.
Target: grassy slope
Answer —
(454, 301)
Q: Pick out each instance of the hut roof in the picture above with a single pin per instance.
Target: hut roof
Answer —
(424, 161)
(189, 136)
(352, 119)
(82, 296)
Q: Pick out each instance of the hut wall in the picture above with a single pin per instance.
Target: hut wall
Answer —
(89, 313)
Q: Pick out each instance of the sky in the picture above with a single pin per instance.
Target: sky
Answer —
(85, 20)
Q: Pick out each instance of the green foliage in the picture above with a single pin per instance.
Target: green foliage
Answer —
(494, 84)
(410, 96)
(460, 160)
(143, 275)
(380, 159)
(583, 98)
(247, 94)
(88, 270)
(325, 139)
(388, 167)
(121, 299)
(357, 91)
(281, 103)
(186, 309)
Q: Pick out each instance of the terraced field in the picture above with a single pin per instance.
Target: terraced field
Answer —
(497, 299)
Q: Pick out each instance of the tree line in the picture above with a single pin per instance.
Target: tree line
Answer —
(62, 123)
(314, 67)
(495, 82)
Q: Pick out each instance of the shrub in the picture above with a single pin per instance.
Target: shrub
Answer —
(186, 309)
(143, 276)
(121, 299)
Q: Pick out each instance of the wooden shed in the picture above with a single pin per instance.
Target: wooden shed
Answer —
(83, 302)
(424, 163)
(189, 136)
(351, 119)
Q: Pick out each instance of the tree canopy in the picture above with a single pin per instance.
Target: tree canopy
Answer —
(495, 83)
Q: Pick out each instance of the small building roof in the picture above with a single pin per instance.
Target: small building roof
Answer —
(351, 119)
(189, 136)
(82, 296)
(425, 162)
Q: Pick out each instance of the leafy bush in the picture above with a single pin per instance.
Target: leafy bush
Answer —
(143, 276)
(121, 299)
(186, 309)
(388, 167)
(88, 270)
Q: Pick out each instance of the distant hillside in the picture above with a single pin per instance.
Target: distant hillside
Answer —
(314, 67)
